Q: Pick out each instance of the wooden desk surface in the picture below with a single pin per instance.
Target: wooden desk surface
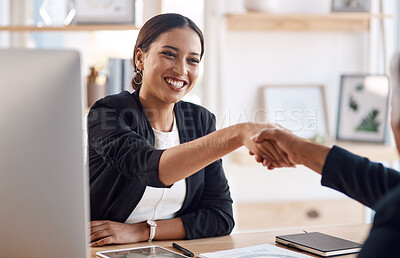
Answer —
(353, 232)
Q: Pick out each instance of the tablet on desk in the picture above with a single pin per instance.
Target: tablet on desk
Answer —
(146, 251)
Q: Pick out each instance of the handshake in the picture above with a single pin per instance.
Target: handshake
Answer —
(275, 146)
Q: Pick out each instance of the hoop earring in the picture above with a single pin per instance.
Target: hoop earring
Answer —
(141, 77)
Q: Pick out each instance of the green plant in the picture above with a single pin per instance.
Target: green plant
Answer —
(369, 123)
(353, 104)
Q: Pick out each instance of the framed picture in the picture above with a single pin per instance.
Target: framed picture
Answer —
(299, 108)
(105, 11)
(350, 5)
(363, 108)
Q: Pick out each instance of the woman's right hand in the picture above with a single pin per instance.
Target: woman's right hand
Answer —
(272, 155)
(106, 232)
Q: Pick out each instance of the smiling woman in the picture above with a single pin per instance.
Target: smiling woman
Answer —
(155, 167)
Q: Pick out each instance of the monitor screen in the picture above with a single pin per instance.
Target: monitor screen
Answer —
(43, 179)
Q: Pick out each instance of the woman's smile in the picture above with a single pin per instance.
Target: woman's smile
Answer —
(175, 84)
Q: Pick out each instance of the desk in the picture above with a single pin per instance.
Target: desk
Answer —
(353, 232)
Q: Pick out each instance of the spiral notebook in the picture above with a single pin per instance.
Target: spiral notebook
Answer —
(319, 244)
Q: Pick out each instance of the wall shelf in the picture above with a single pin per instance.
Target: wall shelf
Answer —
(83, 27)
(258, 21)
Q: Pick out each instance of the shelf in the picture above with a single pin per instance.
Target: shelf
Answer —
(258, 21)
(88, 27)
(372, 151)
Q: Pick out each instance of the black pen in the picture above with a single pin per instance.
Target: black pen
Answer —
(184, 250)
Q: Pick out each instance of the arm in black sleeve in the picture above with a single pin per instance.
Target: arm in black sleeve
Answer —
(214, 216)
(357, 177)
(122, 148)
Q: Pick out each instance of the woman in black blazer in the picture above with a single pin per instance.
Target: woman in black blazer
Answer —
(124, 162)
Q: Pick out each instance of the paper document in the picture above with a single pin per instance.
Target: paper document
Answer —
(258, 251)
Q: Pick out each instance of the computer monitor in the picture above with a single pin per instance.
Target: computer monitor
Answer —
(43, 179)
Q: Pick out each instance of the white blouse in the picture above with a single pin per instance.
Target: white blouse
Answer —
(161, 203)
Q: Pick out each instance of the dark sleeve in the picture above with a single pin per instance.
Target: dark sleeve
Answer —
(214, 216)
(357, 177)
(384, 238)
(122, 148)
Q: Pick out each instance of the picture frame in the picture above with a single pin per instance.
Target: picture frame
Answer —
(299, 108)
(351, 6)
(363, 108)
(105, 11)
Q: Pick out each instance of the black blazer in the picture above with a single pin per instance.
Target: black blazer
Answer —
(373, 185)
(123, 161)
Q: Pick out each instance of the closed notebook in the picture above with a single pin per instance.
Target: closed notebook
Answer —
(319, 244)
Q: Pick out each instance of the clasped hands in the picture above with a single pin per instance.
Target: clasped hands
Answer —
(273, 146)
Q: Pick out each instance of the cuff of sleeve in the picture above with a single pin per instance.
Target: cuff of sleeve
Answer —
(152, 174)
(336, 164)
(332, 163)
(186, 221)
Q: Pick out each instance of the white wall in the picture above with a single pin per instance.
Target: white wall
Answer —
(254, 183)
(256, 59)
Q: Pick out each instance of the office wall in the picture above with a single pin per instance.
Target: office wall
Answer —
(254, 60)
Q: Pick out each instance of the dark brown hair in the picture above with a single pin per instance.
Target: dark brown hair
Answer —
(156, 26)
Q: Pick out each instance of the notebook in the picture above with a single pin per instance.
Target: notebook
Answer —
(319, 244)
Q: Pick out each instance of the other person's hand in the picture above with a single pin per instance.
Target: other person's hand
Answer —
(105, 232)
(283, 140)
(268, 152)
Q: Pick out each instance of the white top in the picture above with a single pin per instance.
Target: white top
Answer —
(161, 203)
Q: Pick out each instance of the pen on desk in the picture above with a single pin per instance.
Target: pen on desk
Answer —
(183, 250)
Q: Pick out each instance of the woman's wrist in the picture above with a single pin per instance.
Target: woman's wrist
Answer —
(141, 230)
(245, 131)
(237, 133)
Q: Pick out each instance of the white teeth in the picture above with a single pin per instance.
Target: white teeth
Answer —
(176, 84)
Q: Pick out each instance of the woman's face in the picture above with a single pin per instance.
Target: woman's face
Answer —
(171, 65)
